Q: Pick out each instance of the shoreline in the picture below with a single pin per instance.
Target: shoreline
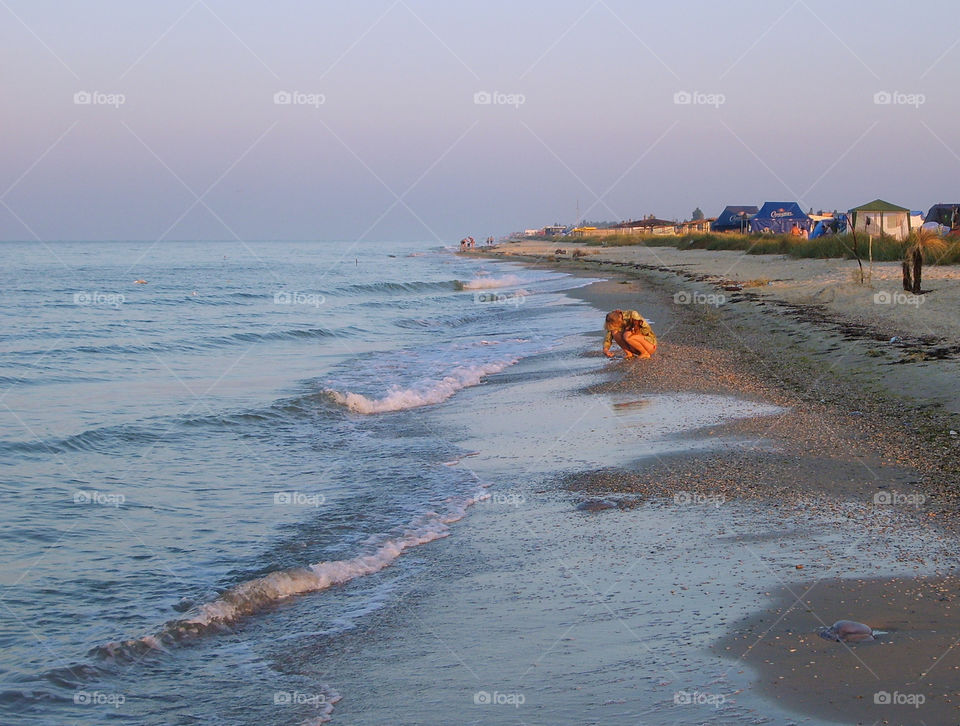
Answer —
(837, 449)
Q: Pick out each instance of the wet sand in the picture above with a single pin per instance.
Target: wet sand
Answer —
(880, 465)
(908, 675)
(621, 568)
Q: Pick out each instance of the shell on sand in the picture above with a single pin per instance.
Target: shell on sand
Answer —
(847, 631)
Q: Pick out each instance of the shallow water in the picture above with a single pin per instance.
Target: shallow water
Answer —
(272, 479)
(179, 457)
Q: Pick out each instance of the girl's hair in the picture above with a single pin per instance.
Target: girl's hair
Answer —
(614, 317)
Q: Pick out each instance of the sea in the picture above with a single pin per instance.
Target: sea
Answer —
(219, 460)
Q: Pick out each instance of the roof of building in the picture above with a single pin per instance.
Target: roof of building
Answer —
(878, 205)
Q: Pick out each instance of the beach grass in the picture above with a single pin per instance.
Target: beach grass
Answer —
(882, 249)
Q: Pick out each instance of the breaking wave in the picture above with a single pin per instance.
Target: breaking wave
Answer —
(487, 283)
(253, 596)
(425, 394)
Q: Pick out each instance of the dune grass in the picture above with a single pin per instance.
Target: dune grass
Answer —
(884, 249)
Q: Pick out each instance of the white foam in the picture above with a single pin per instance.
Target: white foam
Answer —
(331, 698)
(486, 283)
(425, 394)
(252, 595)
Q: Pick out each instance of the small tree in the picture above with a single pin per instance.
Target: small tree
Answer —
(697, 214)
(923, 242)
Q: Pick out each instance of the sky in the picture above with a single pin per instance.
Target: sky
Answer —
(432, 120)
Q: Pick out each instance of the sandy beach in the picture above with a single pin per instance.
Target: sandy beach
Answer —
(864, 442)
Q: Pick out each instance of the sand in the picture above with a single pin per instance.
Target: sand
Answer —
(908, 675)
(864, 440)
(897, 340)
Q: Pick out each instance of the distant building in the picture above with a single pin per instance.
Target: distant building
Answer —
(554, 230)
(650, 226)
(695, 226)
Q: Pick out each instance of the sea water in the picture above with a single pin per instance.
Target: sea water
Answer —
(193, 436)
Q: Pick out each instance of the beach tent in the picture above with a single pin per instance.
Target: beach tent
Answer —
(779, 218)
(734, 219)
(881, 218)
(944, 214)
(834, 224)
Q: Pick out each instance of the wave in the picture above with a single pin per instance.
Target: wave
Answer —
(487, 283)
(426, 394)
(397, 287)
(192, 345)
(99, 440)
(253, 596)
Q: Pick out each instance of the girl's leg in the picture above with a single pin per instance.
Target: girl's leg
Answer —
(639, 345)
(628, 350)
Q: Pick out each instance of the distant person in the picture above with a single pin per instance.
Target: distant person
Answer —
(955, 218)
(795, 232)
(631, 332)
(804, 233)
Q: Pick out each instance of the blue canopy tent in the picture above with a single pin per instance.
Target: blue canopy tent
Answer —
(734, 219)
(780, 218)
(947, 215)
(835, 225)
